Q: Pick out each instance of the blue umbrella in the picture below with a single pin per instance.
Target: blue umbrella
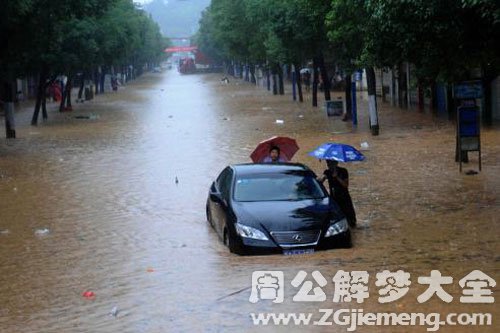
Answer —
(338, 152)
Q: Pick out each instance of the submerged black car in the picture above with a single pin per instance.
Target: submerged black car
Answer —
(274, 208)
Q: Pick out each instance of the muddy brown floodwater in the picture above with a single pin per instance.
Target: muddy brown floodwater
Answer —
(92, 205)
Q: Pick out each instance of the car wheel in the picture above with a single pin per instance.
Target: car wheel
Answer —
(346, 241)
(230, 242)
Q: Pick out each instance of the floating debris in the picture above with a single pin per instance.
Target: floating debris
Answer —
(234, 293)
(279, 121)
(42, 232)
(90, 117)
(114, 311)
(176, 180)
(4, 232)
(365, 146)
(88, 294)
(471, 172)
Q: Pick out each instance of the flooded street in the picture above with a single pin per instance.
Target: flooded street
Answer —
(91, 204)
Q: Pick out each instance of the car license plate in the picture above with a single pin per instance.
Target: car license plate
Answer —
(293, 252)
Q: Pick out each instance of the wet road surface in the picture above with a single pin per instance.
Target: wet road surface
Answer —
(92, 205)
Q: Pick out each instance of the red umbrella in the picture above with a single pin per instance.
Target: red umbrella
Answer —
(288, 147)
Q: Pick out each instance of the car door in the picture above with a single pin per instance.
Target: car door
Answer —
(219, 207)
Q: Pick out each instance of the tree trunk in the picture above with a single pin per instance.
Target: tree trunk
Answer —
(66, 97)
(393, 88)
(252, 74)
(434, 100)
(39, 95)
(281, 84)
(102, 77)
(348, 97)
(450, 103)
(275, 83)
(488, 76)
(44, 107)
(96, 80)
(10, 125)
(315, 83)
(80, 90)
(324, 77)
(69, 88)
(299, 82)
(372, 100)
(268, 78)
(382, 91)
(408, 88)
(420, 95)
(401, 85)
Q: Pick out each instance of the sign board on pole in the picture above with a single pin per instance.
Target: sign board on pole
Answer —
(334, 108)
(468, 90)
(358, 75)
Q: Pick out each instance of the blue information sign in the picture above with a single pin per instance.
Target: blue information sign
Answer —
(469, 121)
(468, 90)
(358, 75)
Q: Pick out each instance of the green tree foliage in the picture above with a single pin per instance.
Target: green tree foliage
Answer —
(346, 24)
(259, 30)
(205, 37)
(64, 36)
(51, 37)
(443, 38)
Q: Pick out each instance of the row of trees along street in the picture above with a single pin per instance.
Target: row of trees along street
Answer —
(46, 38)
(445, 41)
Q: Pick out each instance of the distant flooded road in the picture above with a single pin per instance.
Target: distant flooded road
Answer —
(91, 204)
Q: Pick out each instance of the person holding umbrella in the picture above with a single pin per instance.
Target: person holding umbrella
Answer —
(338, 177)
(338, 183)
(274, 156)
(277, 149)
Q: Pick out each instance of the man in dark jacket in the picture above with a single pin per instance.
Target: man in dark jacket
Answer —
(338, 183)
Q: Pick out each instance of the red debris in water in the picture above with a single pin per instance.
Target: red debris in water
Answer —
(88, 294)
(150, 270)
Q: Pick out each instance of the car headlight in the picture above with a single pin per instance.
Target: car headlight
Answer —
(249, 232)
(337, 228)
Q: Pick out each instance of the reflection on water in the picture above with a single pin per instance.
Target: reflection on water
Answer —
(91, 204)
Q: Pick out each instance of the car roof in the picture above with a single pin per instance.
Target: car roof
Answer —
(259, 168)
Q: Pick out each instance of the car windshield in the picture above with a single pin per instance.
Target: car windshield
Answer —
(288, 186)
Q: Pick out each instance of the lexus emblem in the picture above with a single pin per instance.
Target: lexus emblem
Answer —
(297, 238)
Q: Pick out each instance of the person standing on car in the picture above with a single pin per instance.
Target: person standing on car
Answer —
(338, 183)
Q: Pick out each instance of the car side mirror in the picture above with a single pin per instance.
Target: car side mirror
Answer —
(214, 194)
(216, 197)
